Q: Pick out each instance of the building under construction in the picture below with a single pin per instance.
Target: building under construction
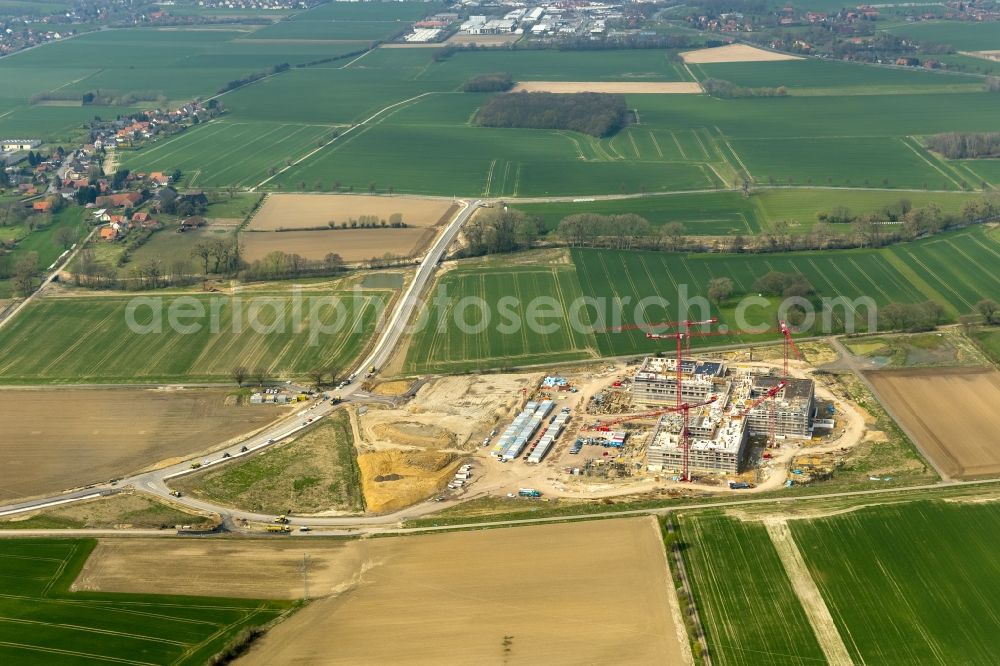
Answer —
(655, 382)
(719, 432)
(794, 407)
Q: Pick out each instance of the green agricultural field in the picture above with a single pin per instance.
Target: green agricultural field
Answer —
(961, 35)
(331, 30)
(790, 118)
(746, 604)
(44, 623)
(800, 206)
(827, 77)
(862, 162)
(459, 158)
(977, 171)
(611, 292)
(42, 240)
(71, 340)
(453, 335)
(971, 64)
(909, 583)
(730, 213)
(321, 95)
(989, 339)
(368, 11)
(528, 65)
(709, 214)
(224, 152)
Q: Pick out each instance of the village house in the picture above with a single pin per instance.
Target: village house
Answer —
(122, 200)
(193, 223)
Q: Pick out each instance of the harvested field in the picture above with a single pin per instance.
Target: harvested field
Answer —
(426, 599)
(734, 53)
(623, 87)
(312, 211)
(58, 439)
(988, 55)
(951, 412)
(393, 479)
(255, 569)
(351, 244)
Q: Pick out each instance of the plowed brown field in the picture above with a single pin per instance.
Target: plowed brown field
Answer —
(952, 412)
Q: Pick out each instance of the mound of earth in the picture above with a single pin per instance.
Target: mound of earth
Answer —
(393, 479)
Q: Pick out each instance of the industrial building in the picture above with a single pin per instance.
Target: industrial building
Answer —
(13, 145)
(655, 383)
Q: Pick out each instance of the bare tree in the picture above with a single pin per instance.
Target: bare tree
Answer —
(239, 373)
(260, 375)
(317, 375)
(719, 289)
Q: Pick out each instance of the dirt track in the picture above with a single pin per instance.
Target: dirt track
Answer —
(733, 53)
(58, 439)
(951, 411)
(304, 211)
(623, 87)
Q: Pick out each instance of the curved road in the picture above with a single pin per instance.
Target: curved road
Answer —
(155, 482)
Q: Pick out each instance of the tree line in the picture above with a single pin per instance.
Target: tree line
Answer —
(597, 114)
(498, 232)
(729, 90)
(962, 145)
(255, 76)
(838, 229)
(498, 82)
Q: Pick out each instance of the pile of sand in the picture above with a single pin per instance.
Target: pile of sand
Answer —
(393, 479)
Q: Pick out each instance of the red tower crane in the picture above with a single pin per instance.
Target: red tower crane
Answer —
(788, 343)
(680, 357)
(684, 439)
(687, 324)
(772, 425)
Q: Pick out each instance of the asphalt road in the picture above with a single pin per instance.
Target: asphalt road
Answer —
(155, 482)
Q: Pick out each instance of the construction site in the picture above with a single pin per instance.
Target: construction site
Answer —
(669, 422)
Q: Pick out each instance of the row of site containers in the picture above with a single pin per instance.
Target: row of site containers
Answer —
(522, 429)
(515, 448)
(514, 429)
(549, 437)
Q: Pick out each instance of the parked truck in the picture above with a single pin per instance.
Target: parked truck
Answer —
(529, 492)
(739, 485)
(280, 529)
